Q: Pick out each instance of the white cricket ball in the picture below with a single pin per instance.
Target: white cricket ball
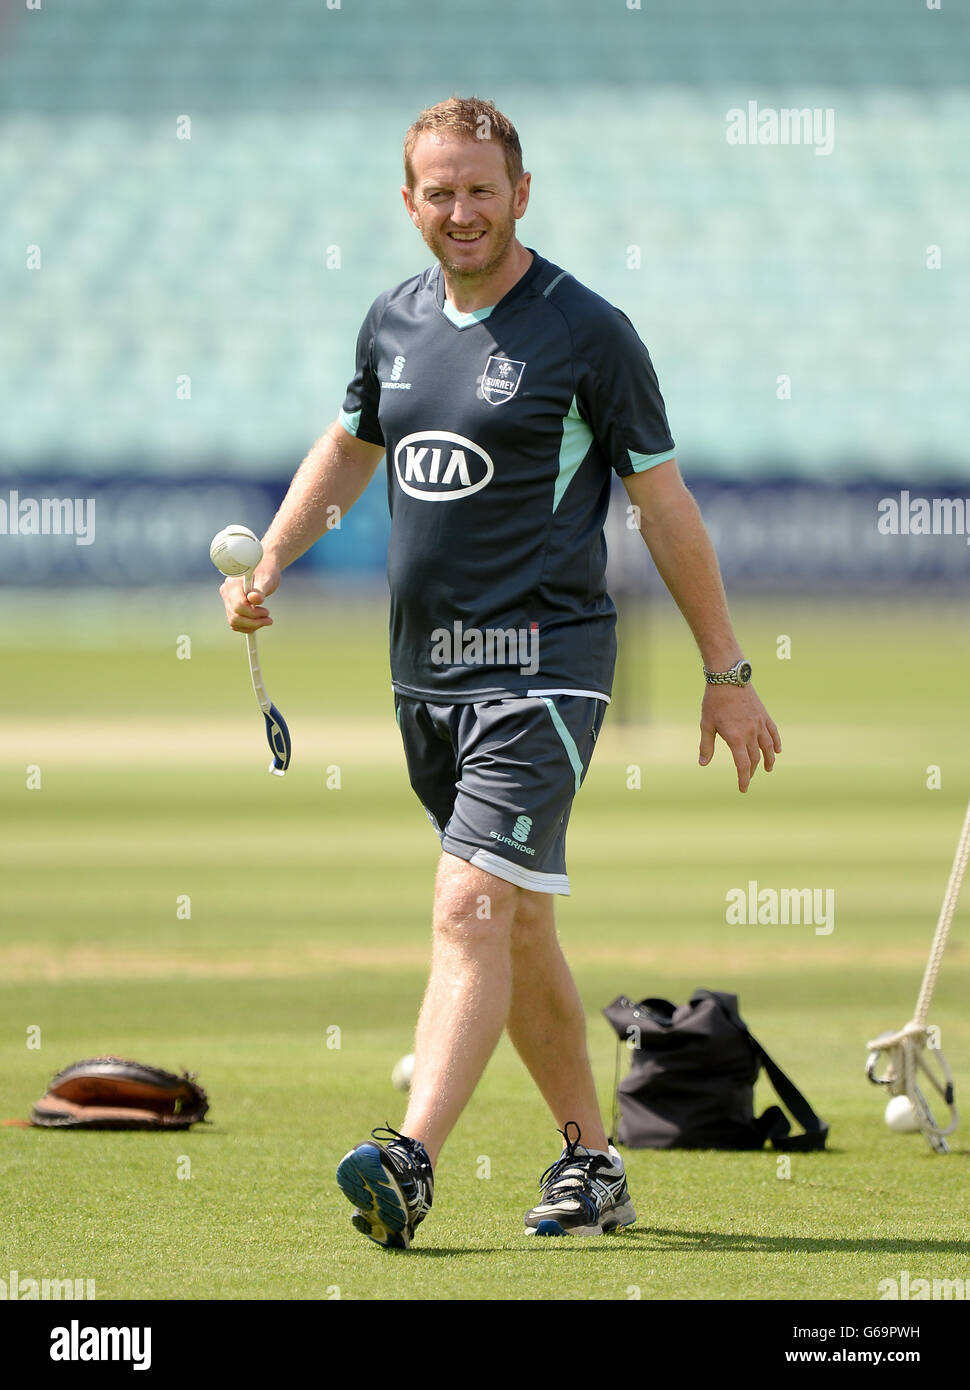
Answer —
(900, 1115)
(402, 1073)
(235, 550)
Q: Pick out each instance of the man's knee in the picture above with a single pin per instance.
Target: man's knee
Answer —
(533, 921)
(470, 903)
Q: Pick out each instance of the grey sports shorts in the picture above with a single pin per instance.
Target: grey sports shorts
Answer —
(497, 779)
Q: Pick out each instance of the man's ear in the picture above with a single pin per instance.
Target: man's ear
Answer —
(409, 204)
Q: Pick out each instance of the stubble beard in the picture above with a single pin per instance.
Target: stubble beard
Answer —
(438, 244)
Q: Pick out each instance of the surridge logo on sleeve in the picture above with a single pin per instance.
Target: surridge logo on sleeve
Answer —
(438, 466)
(501, 379)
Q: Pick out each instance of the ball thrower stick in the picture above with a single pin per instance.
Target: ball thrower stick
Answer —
(277, 734)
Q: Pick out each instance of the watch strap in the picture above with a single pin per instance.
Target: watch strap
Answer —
(731, 677)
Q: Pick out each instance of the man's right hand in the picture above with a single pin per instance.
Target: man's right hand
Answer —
(245, 611)
(327, 484)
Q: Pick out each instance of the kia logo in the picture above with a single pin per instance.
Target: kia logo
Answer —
(439, 466)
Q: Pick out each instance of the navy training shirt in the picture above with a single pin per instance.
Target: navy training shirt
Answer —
(500, 437)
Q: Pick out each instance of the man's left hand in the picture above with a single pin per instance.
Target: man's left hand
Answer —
(736, 713)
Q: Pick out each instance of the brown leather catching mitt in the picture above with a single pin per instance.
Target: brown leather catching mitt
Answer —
(112, 1093)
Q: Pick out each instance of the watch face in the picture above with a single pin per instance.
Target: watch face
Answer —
(744, 672)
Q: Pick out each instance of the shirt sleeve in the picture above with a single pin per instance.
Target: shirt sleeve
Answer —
(619, 397)
(359, 413)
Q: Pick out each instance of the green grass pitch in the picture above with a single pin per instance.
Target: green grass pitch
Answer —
(164, 898)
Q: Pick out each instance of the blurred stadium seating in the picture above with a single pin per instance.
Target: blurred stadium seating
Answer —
(236, 264)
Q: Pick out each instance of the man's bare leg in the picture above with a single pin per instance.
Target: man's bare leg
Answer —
(495, 963)
(489, 972)
(546, 1021)
(466, 1003)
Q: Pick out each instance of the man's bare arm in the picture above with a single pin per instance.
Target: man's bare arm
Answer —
(326, 485)
(670, 522)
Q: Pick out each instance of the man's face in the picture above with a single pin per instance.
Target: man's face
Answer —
(464, 204)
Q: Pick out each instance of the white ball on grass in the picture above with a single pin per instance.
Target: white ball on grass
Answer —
(402, 1073)
(235, 550)
(900, 1115)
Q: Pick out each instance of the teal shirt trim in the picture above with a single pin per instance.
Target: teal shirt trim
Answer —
(572, 752)
(462, 320)
(351, 423)
(641, 462)
(576, 439)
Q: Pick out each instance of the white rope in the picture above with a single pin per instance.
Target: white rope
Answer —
(943, 925)
(904, 1052)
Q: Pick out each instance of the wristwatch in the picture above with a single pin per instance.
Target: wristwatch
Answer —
(739, 674)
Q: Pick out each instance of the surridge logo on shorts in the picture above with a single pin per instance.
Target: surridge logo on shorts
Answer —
(438, 466)
(520, 830)
(520, 833)
(501, 379)
(512, 843)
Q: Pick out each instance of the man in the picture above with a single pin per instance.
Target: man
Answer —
(503, 393)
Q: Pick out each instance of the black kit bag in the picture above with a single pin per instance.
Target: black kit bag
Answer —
(691, 1080)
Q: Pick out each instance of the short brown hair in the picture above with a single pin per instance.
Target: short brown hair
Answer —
(470, 118)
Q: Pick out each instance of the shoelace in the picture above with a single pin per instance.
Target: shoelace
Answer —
(568, 1159)
(415, 1154)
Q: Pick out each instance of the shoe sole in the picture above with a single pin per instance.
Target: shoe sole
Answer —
(381, 1213)
(616, 1220)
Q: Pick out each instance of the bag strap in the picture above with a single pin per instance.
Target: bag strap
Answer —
(615, 1114)
(816, 1130)
(620, 1015)
(774, 1124)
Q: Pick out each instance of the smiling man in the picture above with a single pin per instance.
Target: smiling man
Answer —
(504, 394)
(468, 199)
